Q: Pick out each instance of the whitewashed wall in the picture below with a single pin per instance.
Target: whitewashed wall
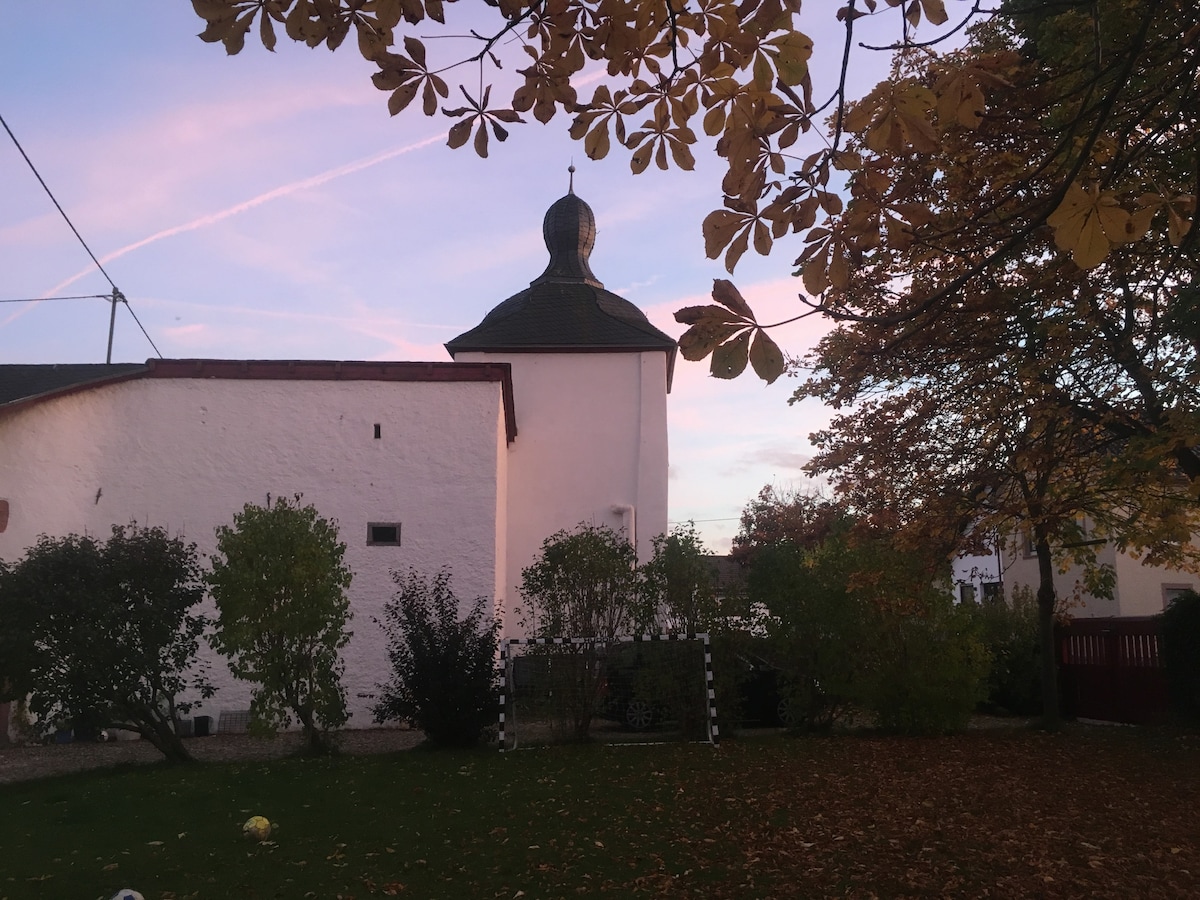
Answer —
(1139, 587)
(187, 454)
(591, 447)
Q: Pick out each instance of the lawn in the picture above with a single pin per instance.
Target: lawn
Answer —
(1089, 813)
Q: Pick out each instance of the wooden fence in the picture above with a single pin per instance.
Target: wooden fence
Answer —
(1111, 670)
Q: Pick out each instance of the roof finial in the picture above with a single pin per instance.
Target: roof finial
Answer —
(571, 178)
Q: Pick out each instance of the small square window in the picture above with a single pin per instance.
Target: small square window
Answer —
(966, 593)
(383, 534)
(993, 591)
(1171, 592)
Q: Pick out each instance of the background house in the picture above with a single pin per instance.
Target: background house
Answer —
(553, 412)
(1139, 589)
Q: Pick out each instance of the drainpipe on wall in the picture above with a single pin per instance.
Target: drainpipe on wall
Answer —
(628, 521)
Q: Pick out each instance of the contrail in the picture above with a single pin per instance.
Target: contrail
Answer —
(274, 194)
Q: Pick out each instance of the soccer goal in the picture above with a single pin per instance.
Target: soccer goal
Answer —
(632, 689)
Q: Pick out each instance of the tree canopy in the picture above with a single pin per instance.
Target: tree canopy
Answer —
(1104, 128)
(280, 585)
(102, 634)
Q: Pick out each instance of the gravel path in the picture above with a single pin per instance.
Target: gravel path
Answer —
(25, 763)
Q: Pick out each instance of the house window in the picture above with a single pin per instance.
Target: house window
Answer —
(383, 534)
(3, 515)
(993, 591)
(966, 593)
(1171, 591)
(378, 431)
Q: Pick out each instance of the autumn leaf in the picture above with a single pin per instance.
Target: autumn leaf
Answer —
(1088, 222)
(765, 357)
(729, 360)
(894, 117)
(791, 52)
(710, 327)
(728, 296)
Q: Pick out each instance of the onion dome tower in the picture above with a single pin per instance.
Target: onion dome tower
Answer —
(566, 308)
(590, 380)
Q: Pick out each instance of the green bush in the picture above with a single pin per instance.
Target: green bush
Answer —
(815, 632)
(1009, 630)
(927, 670)
(103, 634)
(444, 675)
(1181, 654)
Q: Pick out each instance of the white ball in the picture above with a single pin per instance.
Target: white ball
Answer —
(127, 894)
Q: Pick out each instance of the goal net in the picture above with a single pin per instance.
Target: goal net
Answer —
(634, 688)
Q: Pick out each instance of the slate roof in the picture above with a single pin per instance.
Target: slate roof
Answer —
(566, 309)
(22, 385)
(25, 382)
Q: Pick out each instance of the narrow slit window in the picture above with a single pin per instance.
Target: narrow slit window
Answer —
(378, 431)
(383, 534)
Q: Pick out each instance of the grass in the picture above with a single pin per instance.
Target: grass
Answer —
(1087, 813)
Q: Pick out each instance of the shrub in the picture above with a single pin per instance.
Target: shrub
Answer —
(1009, 630)
(280, 587)
(1181, 654)
(815, 632)
(443, 667)
(584, 583)
(101, 634)
(928, 668)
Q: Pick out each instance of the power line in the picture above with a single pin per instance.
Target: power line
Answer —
(139, 325)
(49, 194)
(43, 299)
(116, 292)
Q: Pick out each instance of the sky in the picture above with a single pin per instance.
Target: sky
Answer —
(265, 206)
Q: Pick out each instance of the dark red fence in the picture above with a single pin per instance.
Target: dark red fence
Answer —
(1111, 670)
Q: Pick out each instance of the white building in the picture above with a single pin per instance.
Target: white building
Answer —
(1139, 589)
(552, 413)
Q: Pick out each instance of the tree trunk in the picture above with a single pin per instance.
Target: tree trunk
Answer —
(167, 741)
(1051, 713)
(314, 738)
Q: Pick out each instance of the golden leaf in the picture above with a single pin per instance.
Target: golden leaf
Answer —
(816, 273)
(460, 132)
(682, 154)
(839, 270)
(729, 360)
(737, 249)
(725, 293)
(641, 158)
(793, 51)
(596, 144)
(719, 229)
(266, 31)
(403, 96)
(935, 11)
(1079, 224)
(765, 357)
(701, 339)
(959, 99)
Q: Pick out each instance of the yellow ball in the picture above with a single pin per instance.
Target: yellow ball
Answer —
(257, 828)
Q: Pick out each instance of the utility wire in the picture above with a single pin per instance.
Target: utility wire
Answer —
(139, 325)
(116, 292)
(44, 299)
(46, 188)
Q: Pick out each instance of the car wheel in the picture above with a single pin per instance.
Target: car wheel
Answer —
(788, 712)
(639, 714)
